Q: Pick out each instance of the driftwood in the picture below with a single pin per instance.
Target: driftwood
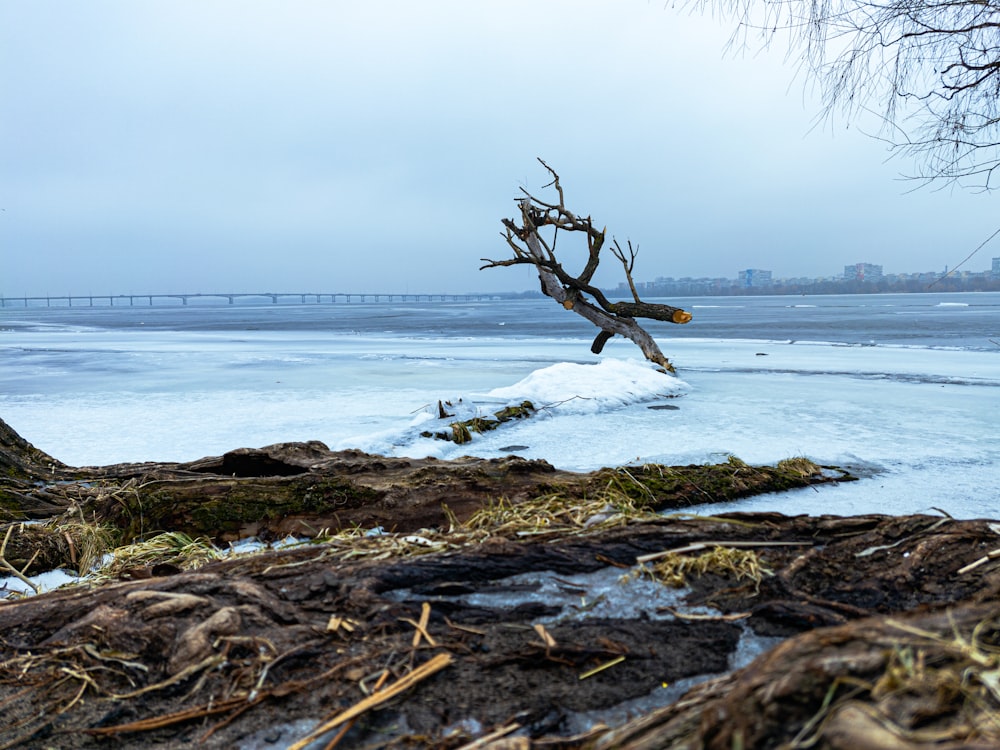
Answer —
(918, 682)
(460, 432)
(304, 489)
(521, 619)
(577, 293)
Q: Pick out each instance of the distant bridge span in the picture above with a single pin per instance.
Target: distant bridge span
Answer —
(147, 300)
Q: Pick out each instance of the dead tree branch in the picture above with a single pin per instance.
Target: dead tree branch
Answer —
(577, 293)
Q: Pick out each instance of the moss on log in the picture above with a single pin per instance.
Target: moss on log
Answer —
(20, 460)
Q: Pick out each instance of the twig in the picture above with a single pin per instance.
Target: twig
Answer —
(486, 739)
(347, 727)
(5, 565)
(981, 561)
(602, 667)
(546, 637)
(158, 722)
(465, 628)
(72, 547)
(436, 664)
(732, 617)
(421, 627)
(207, 663)
(967, 257)
(698, 546)
(240, 710)
(628, 264)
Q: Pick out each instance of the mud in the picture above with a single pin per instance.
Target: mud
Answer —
(255, 652)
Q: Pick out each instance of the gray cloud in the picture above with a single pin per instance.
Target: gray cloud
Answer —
(168, 146)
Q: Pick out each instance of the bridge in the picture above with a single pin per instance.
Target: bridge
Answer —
(147, 300)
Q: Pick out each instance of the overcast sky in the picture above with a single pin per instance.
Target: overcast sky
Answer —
(374, 146)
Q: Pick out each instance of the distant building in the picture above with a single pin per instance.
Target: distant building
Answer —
(856, 278)
(862, 272)
(753, 277)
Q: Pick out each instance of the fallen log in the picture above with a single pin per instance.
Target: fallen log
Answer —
(306, 490)
(915, 682)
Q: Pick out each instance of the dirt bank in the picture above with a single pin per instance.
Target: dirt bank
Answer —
(538, 622)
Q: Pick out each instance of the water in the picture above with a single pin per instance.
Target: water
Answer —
(904, 388)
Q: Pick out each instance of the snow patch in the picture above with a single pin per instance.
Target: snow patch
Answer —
(590, 388)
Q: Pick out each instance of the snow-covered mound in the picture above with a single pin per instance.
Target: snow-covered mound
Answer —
(565, 389)
(590, 388)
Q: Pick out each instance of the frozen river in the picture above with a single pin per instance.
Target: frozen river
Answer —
(905, 389)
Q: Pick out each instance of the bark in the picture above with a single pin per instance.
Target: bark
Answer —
(845, 688)
(20, 460)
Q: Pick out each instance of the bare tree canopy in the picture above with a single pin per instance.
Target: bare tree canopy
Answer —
(929, 68)
(577, 293)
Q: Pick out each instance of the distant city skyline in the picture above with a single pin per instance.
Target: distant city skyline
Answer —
(855, 277)
(993, 267)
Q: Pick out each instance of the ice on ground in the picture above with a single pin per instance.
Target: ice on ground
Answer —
(920, 421)
(46, 581)
(608, 592)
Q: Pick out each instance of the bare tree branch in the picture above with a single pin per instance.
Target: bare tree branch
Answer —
(931, 68)
(628, 264)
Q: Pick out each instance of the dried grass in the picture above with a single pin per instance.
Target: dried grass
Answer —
(170, 548)
(624, 496)
(555, 513)
(932, 688)
(801, 467)
(673, 569)
(90, 542)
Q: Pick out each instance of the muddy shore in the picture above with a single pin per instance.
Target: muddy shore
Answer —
(507, 605)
